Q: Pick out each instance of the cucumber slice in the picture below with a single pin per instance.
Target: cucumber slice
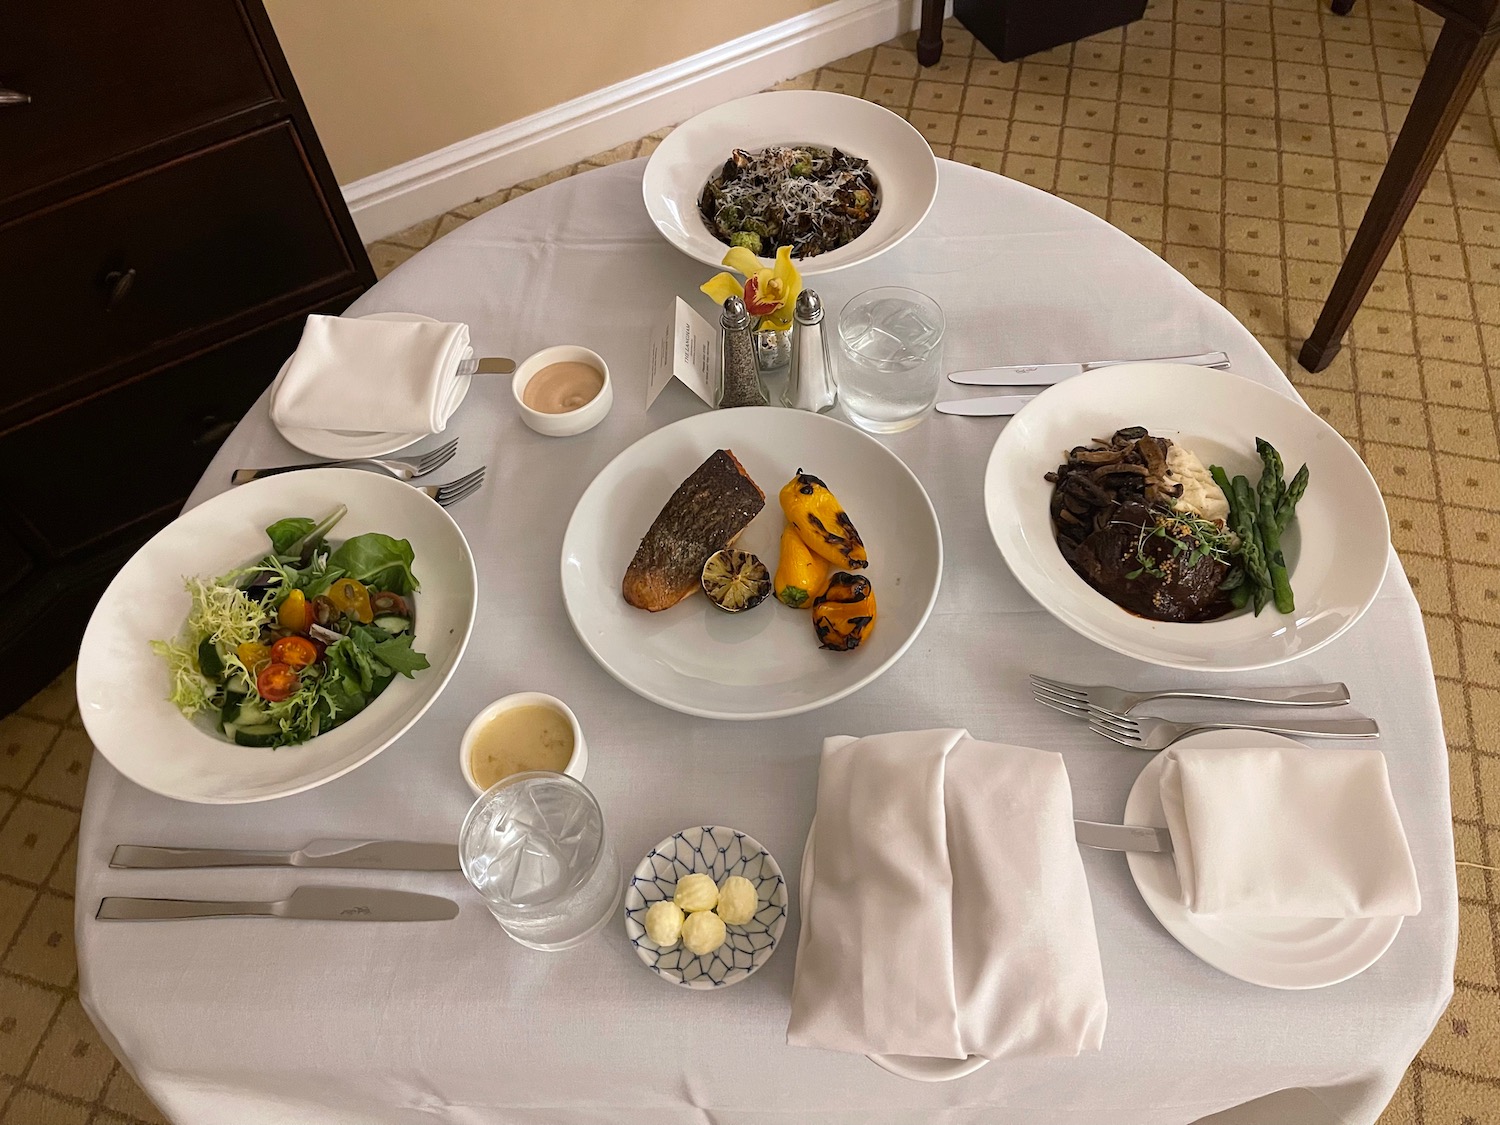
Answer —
(210, 663)
(249, 712)
(266, 734)
(393, 623)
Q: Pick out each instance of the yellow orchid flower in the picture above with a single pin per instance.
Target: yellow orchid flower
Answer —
(769, 294)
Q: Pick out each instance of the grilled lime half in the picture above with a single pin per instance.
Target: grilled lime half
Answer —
(736, 580)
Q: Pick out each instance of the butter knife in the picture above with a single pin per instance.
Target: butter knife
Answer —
(327, 904)
(1045, 374)
(991, 406)
(1122, 837)
(370, 855)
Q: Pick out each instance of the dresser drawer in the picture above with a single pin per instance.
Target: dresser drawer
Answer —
(107, 78)
(177, 251)
(131, 455)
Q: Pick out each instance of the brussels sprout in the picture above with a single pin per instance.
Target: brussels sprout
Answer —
(746, 238)
(801, 168)
(730, 217)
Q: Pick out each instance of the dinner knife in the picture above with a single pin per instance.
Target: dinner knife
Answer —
(327, 904)
(1122, 837)
(990, 406)
(370, 855)
(1045, 374)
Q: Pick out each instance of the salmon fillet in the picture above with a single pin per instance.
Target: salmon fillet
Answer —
(706, 514)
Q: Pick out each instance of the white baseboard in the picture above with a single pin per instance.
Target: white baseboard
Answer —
(396, 198)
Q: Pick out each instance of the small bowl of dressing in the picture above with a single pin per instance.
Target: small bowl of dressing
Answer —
(526, 731)
(563, 391)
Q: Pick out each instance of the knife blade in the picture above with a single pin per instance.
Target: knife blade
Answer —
(368, 855)
(326, 904)
(1045, 374)
(1122, 837)
(990, 406)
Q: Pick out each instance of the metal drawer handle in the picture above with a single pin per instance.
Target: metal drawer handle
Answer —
(13, 97)
(118, 282)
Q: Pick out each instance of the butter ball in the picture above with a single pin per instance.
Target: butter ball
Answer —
(696, 892)
(737, 900)
(663, 923)
(703, 932)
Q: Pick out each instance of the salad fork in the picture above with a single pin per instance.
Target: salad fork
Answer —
(1078, 699)
(1151, 733)
(454, 490)
(402, 468)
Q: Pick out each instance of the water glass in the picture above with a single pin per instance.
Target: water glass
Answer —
(535, 849)
(888, 358)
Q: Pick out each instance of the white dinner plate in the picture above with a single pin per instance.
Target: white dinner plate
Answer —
(346, 445)
(122, 684)
(1272, 952)
(766, 662)
(905, 170)
(918, 1068)
(1336, 547)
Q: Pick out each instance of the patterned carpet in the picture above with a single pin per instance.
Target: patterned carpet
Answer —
(1241, 141)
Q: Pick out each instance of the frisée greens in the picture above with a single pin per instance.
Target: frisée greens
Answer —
(300, 641)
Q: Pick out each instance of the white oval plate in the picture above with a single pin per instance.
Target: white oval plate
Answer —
(122, 684)
(1337, 546)
(347, 445)
(1271, 952)
(900, 157)
(764, 663)
(717, 852)
(918, 1068)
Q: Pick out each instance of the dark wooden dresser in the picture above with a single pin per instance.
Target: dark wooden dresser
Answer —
(167, 221)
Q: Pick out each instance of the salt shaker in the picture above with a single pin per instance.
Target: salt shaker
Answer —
(809, 386)
(739, 377)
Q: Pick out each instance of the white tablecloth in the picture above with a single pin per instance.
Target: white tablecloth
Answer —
(245, 1022)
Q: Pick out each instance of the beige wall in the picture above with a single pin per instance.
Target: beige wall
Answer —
(390, 80)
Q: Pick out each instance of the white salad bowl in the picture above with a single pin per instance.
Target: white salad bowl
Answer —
(123, 684)
(1336, 547)
(905, 169)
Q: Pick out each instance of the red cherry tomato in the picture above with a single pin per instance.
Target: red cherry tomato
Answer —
(296, 652)
(385, 602)
(276, 681)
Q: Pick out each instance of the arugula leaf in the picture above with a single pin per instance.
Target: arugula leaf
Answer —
(285, 533)
(377, 560)
(398, 655)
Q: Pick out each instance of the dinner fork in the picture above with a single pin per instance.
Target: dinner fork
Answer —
(455, 490)
(1151, 733)
(402, 468)
(1076, 699)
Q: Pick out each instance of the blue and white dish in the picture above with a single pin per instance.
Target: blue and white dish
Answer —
(719, 853)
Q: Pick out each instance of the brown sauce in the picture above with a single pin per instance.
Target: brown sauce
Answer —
(561, 387)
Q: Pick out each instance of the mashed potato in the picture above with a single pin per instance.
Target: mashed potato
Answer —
(1200, 495)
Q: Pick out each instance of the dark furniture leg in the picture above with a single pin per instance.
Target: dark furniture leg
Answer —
(1013, 29)
(1342, 7)
(930, 37)
(1457, 64)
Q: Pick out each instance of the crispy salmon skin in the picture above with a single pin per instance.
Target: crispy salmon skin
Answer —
(706, 514)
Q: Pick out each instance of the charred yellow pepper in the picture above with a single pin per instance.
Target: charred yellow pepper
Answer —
(801, 575)
(845, 616)
(823, 524)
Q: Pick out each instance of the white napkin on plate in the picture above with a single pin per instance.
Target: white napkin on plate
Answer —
(1283, 831)
(948, 913)
(372, 376)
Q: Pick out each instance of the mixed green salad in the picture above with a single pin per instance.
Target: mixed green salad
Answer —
(299, 642)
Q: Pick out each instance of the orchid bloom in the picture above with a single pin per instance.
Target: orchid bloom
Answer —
(769, 294)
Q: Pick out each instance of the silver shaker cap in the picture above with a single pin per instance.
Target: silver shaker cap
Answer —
(735, 315)
(809, 309)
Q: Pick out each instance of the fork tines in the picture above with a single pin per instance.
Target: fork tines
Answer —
(437, 458)
(1127, 734)
(456, 490)
(1059, 696)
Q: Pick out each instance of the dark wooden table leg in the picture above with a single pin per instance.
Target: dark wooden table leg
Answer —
(930, 38)
(1342, 7)
(1457, 64)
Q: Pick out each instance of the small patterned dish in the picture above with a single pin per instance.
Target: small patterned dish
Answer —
(717, 852)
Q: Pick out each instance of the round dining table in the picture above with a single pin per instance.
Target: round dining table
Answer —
(254, 1022)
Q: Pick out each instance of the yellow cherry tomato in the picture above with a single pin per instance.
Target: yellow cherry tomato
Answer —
(295, 613)
(351, 597)
(253, 655)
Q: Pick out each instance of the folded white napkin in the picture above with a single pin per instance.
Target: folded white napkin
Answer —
(1282, 831)
(373, 376)
(948, 913)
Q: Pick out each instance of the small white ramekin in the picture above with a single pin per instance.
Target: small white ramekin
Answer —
(576, 764)
(587, 416)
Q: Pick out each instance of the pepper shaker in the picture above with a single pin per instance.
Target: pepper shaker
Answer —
(739, 376)
(810, 384)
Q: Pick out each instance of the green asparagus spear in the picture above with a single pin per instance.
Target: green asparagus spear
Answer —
(1272, 476)
(1294, 493)
(1281, 585)
(1239, 597)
